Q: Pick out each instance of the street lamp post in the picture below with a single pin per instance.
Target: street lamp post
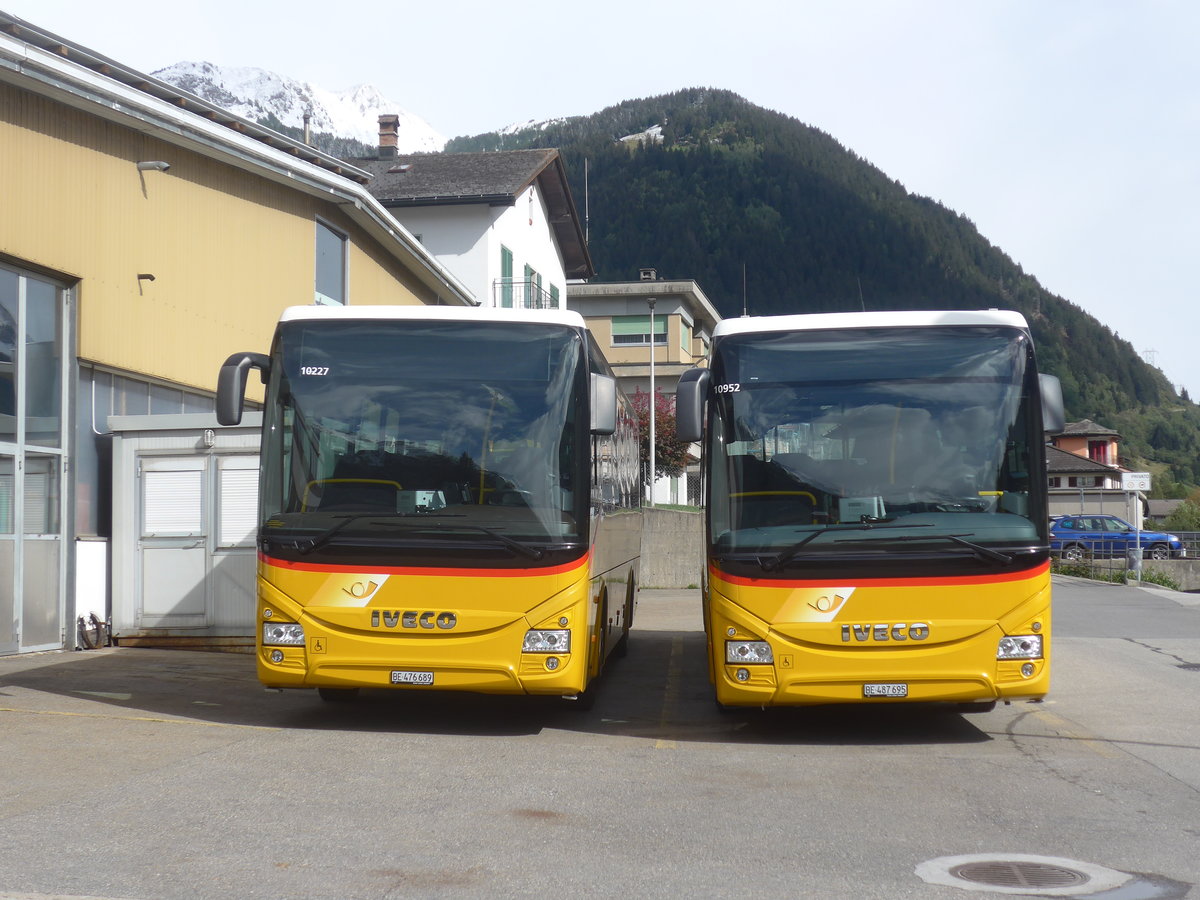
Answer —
(653, 404)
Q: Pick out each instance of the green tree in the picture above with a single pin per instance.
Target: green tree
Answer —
(1186, 516)
(733, 188)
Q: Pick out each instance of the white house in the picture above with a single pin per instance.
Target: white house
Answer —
(503, 222)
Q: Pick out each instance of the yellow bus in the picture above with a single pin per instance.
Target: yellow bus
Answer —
(448, 500)
(876, 521)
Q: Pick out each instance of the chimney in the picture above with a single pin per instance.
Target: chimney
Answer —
(389, 135)
(648, 274)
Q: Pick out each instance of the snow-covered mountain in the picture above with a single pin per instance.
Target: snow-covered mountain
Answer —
(256, 93)
(530, 125)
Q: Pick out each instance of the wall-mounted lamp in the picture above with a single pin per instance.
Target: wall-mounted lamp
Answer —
(153, 165)
(145, 276)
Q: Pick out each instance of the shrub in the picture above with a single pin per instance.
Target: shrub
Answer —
(1159, 577)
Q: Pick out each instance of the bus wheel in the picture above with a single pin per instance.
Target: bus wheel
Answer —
(723, 709)
(584, 700)
(977, 706)
(337, 695)
(621, 649)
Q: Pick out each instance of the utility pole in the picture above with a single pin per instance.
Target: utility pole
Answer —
(653, 401)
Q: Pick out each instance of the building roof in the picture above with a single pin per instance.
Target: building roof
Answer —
(1060, 462)
(42, 63)
(1086, 428)
(495, 178)
(417, 179)
(153, 87)
(1160, 509)
(699, 306)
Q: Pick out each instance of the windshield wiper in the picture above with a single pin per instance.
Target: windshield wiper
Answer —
(524, 549)
(770, 564)
(320, 540)
(308, 545)
(980, 551)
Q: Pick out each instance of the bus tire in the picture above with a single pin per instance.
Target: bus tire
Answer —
(337, 695)
(621, 647)
(724, 710)
(976, 706)
(621, 650)
(601, 645)
(585, 699)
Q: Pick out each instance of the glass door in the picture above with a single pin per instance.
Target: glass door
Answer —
(33, 510)
(8, 554)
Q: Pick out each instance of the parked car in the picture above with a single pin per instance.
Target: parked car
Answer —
(1074, 537)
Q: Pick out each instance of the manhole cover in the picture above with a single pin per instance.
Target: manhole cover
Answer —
(1009, 873)
(1020, 873)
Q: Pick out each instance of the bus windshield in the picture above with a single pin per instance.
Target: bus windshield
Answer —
(401, 432)
(874, 441)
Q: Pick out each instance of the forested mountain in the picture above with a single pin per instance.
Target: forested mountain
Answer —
(716, 187)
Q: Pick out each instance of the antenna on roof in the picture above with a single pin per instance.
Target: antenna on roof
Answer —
(861, 301)
(745, 310)
(587, 215)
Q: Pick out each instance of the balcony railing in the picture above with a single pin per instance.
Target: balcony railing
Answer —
(521, 294)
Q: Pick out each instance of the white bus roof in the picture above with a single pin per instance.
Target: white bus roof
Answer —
(433, 313)
(887, 319)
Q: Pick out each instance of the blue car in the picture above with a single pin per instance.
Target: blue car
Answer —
(1076, 537)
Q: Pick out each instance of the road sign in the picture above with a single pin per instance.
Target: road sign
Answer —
(1135, 481)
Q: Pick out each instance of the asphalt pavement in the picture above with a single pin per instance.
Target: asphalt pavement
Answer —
(146, 774)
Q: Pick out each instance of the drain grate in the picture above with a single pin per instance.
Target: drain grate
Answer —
(1022, 874)
(1017, 873)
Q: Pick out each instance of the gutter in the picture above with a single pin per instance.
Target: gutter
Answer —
(451, 200)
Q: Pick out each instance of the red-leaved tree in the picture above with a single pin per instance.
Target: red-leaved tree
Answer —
(670, 453)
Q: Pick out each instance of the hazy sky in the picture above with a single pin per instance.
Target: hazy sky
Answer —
(1068, 131)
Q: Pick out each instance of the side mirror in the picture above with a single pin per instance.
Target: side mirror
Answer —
(604, 404)
(1054, 416)
(690, 395)
(231, 384)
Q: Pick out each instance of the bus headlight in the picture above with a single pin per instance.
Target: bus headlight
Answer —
(742, 652)
(1020, 646)
(283, 633)
(547, 641)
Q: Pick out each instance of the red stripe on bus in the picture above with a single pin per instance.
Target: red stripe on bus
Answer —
(423, 570)
(880, 582)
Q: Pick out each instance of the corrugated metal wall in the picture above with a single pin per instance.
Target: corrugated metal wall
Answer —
(228, 250)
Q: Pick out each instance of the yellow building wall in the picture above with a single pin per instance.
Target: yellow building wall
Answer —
(228, 249)
(671, 352)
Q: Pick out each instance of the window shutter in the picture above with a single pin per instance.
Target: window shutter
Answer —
(237, 510)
